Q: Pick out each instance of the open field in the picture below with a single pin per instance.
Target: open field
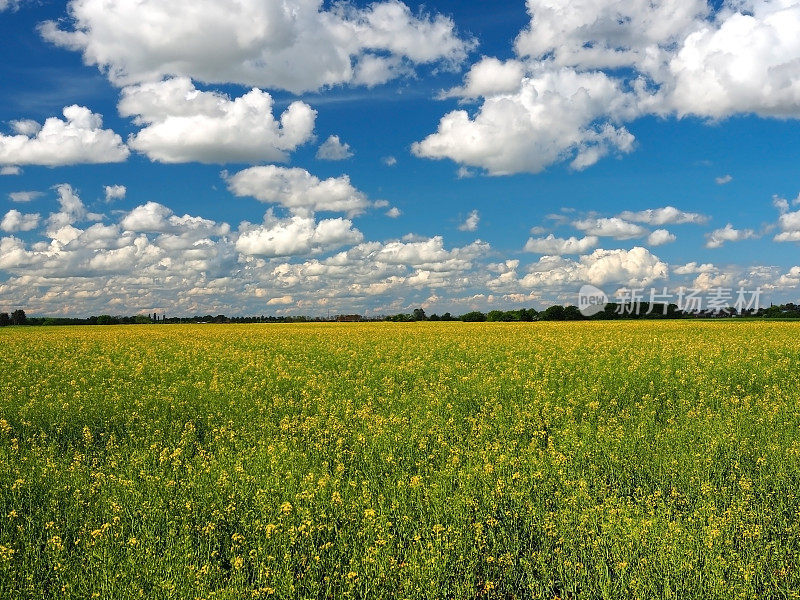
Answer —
(584, 460)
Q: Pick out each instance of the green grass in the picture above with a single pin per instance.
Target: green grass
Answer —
(584, 460)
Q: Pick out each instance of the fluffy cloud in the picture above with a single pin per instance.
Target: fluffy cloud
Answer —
(719, 237)
(296, 45)
(489, 77)
(373, 269)
(334, 149)
(739, 58)
(10, 170)
(660, 237)
(14, 221)
(613, 227)
(554, 115)
(22, 197)
(693, 268)
(745, 61)
(635, 267)
(669, 215)
(72, 210)
(584, 69)
(109, 259)
(471, 222)
(789, 224)
(298, 190)
(788, 236)
(157, 218)
(150, 258)
(553, 246)
(148, 217)
(607, 33)
(184, 265)
(711, 280)
(13, 254)
(77, 139)
(723, 180)
(298, 235)
(791, 279)
(184, 124)
(782, 204)
(282, 300)
(427, 254)
(115, 192)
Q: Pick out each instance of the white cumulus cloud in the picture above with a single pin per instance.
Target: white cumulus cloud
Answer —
(153, 217)
(77, 139)
(553, 246)
(693, 268)
(71, 210)
(719, 237)
(334, 149)
(490, 77)
(668, 215)
(789, 224)
(26, 196)
(115, 192)
(744, 61)
(183, 124)
(607, 33)
(790, 279)
(634, 267)
(297, 235)
(14, 221)
(613, 227)
(660, 237)
(554, 115)
(298, 190)
(296, 45)
(585, 69)
(471, 222)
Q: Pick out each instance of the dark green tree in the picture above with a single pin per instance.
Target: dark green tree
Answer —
(474, 317)
(571, 313)
(18, 317)
(553, 313)
(5, 320)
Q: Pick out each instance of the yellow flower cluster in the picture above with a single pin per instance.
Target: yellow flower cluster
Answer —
(535, 460)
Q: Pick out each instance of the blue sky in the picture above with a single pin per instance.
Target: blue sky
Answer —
(264, 157)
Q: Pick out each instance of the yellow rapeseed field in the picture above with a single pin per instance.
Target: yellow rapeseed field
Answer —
(420, 460)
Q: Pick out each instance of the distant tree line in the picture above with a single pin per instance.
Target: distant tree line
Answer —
(553, 313)
(611, 312)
